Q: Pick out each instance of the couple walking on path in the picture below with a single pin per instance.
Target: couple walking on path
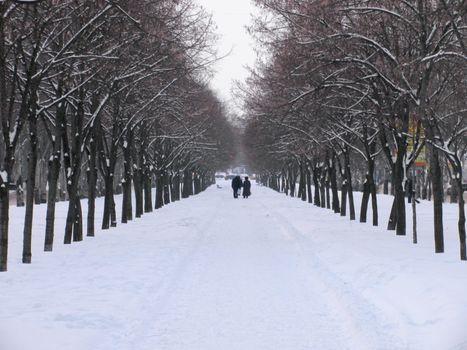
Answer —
(237, 184)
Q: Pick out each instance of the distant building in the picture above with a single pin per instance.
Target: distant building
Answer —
(240, 169)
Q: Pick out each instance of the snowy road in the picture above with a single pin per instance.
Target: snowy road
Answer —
(243, 283)
(211, 272)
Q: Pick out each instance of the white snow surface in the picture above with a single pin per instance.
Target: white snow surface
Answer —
(213, 272)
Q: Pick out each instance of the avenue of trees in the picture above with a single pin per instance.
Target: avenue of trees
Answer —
(103, 97)
(361, 94)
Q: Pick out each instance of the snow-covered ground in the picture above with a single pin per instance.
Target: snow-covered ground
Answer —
(211, 272)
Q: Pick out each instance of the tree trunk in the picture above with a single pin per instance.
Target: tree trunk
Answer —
(78, 221)
(4, 219)
(113, 213)
(72, 160)
(196, 183)
(176, 186)
(53, 175)
(4, 157)
(344, 198)
(187, 184)
(322, 190)
(414, 215)
(92, 182)
(92, 172)
(349, 185)
(397, 219)
(54, 171)
(285, 182)
(322, 187)
(372, 189)
(302, 182)
(327, 187)
(173, 195)
(317, 187)
(437, 181)
(30, 187)
(333, 181)
(461, 222)
(454, 192)
(292, 181)
(308, 185)
(138, 187)
(147, 191)
(107, 202)
(159, 190)
(374, 204)
(400, 201)
(365, 200)
(127, 207)
(70, 218)
(170, 187)
(41, 182)
(276, 182)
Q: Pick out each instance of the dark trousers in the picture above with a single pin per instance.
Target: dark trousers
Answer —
(235, 193)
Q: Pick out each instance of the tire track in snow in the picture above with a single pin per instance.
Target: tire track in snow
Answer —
(337, 314)
(327, 329)
(259, 304)
(367, 328)
(140, 335)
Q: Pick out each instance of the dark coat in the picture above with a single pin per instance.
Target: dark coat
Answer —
(237, 183)
(247, 188)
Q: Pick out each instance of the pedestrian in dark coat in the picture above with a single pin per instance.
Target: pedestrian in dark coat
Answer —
(246, 188)
(236, 185)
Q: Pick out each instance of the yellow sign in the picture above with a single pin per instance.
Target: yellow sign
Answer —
(413, 127)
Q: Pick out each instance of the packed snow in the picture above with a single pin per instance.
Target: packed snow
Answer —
(213, 272)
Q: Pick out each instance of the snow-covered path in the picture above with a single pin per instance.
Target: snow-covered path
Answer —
(211, 272)
(243, 283)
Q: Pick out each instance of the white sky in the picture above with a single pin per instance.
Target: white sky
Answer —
(231, 17)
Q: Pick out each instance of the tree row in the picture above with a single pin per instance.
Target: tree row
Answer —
(99, 97)
(366, 92)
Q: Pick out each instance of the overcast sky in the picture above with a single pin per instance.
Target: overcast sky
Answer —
(231, 17)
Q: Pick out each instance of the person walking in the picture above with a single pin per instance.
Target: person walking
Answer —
(246, 188)
(236, 185)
